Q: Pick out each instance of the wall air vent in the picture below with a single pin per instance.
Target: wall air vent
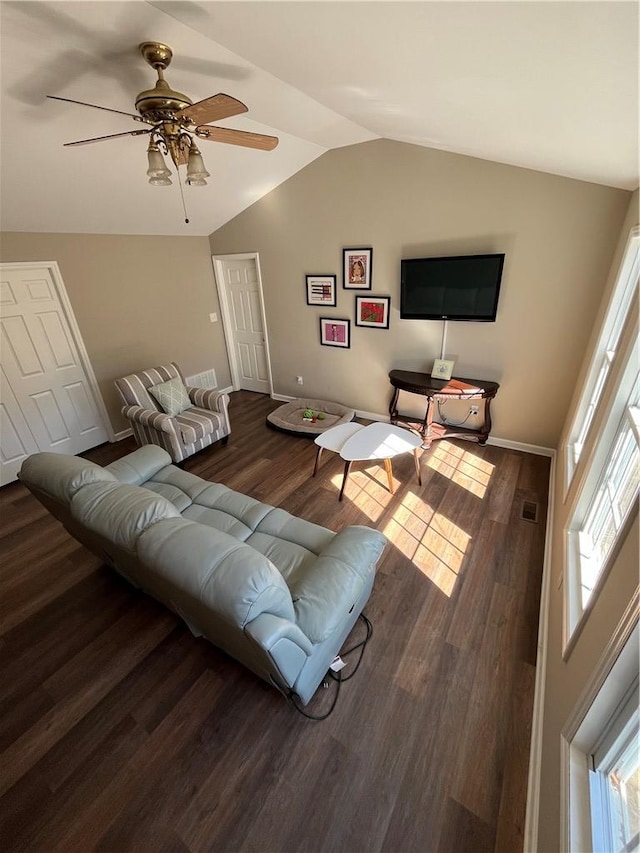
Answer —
(207, 380)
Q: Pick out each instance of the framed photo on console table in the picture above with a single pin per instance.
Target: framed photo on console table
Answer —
(357, 269)
(321, 290)
(373, 311)
(335, 333)
(442, 369)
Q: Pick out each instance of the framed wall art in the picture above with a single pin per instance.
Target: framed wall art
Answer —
(335, 333)
(373, 311)
(357, 268)
(321, 290)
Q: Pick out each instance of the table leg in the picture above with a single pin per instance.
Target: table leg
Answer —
(389, 470)
(393, 406)
(318, 455)
(347, 465)
(486, 426)
(416, 459)
(428, 420)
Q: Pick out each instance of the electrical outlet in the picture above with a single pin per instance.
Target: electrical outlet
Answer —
(299, 380)
(474, 410)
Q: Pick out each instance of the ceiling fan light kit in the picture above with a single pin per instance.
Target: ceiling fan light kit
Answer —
(158, 173)
(196, 171)
(175, 122)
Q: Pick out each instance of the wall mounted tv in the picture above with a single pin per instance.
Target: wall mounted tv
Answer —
(465, 287)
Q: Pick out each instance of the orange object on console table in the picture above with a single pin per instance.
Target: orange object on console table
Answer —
(437, 390)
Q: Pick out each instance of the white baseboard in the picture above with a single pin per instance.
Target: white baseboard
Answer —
(284, 398)
(372, 416)
(520, 445)
(537, 723)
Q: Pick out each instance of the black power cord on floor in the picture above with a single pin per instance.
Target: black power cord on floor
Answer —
(337, 677)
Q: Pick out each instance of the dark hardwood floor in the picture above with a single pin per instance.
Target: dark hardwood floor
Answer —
(122, 732)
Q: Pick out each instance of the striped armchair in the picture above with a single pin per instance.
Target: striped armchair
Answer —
(182, 435)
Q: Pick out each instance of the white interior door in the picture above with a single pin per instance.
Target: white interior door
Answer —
(46, 399)
(241, 299)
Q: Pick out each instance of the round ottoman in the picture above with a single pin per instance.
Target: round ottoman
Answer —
(288, 418)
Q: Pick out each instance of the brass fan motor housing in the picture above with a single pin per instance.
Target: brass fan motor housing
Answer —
(162, 101)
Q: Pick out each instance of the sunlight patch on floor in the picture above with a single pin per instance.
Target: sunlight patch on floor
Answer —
(434, 544)
(462, 467)
(368, 489)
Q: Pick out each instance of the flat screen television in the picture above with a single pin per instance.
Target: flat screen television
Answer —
(465, 287)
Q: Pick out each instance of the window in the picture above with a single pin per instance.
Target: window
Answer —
(611, 501)
(601, 752)
(607, 496)
(614, 783)
(604, 354)
(603, 453)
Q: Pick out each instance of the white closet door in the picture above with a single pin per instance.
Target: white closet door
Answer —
(46, 398)
(247, 330)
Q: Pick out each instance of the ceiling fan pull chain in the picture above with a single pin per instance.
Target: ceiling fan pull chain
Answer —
(184, 206)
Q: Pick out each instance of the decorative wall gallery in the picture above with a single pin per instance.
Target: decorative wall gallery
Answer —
(372, 312)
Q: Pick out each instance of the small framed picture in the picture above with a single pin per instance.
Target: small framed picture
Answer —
(357, 269)
(335, 333)
(373, 311)
(442, 369)
(321, 290)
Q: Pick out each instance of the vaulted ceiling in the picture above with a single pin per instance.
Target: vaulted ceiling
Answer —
(550, 86)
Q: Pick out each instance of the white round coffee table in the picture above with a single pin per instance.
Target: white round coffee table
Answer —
(377, 441)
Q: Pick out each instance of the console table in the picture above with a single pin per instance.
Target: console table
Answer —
(436, 390)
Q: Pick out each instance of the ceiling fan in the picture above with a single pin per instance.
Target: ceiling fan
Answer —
(174, 122)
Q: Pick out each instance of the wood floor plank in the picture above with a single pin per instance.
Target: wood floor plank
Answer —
(22, 754)
(501, 488)
(145, 768)
(438, 722)
(36, 592)
(512, 813)
(122, 732)
(40, 645)
(138, 628)
(485, 726)
(464, 832)
(41, 814)
(69, 762)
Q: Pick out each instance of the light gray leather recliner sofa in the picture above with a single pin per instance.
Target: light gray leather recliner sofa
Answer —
(277, 593)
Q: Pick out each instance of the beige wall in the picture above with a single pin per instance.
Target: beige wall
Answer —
(138, 300)
(408, 201)
(565, 681)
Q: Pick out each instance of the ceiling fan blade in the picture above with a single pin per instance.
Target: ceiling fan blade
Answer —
(96, 107)
(237, 137)
(110, 136)
(213, 109)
